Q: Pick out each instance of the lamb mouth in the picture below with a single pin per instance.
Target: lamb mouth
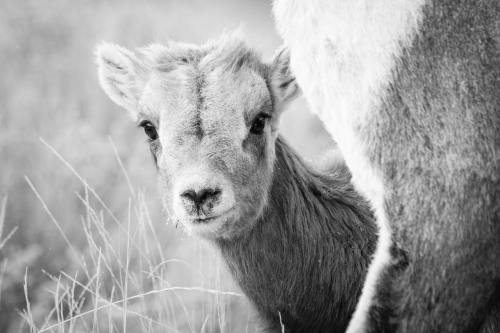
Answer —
(205, 220)
(208, 219)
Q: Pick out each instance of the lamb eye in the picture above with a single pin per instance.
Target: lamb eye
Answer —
(258, 124)
(149, 129)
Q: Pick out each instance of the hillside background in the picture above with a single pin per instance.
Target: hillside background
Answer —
(95, 233)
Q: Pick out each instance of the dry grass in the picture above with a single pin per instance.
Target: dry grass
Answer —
(122, 282)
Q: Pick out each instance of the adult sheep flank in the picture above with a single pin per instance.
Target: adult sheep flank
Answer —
(298, 241)
(410, 91)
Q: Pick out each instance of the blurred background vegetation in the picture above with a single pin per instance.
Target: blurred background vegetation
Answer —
(107, 238)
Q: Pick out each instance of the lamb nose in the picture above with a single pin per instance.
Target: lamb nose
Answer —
(202, 196)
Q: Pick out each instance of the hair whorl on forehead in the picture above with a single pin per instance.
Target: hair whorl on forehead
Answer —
(165, 58)
(231, 53)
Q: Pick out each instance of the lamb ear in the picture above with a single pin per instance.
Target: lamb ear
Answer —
(283, 82)
(121, 75)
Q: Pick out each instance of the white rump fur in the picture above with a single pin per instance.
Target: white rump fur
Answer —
(342, 54)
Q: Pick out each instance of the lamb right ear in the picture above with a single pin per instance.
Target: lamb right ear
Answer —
(121, 75)
(284, 85)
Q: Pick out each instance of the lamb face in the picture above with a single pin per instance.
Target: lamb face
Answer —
(211, 115)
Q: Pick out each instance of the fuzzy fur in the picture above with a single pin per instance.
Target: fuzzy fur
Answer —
(193, 96)
(409, 90)
(307, 256)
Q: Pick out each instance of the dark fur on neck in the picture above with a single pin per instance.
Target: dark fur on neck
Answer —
(307, 256)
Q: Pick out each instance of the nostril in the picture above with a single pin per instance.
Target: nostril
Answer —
(190, 195)
(207, 194)
(201, 196)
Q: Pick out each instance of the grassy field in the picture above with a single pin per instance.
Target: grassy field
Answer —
(84, 243)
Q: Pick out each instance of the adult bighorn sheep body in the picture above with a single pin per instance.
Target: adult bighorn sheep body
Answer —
(410, 91)
(297, 240)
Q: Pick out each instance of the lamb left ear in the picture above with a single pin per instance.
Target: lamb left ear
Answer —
(283, 82)
(122, 75)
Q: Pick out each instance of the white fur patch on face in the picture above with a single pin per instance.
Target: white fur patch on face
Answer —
(227, 110)
(342, 53)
